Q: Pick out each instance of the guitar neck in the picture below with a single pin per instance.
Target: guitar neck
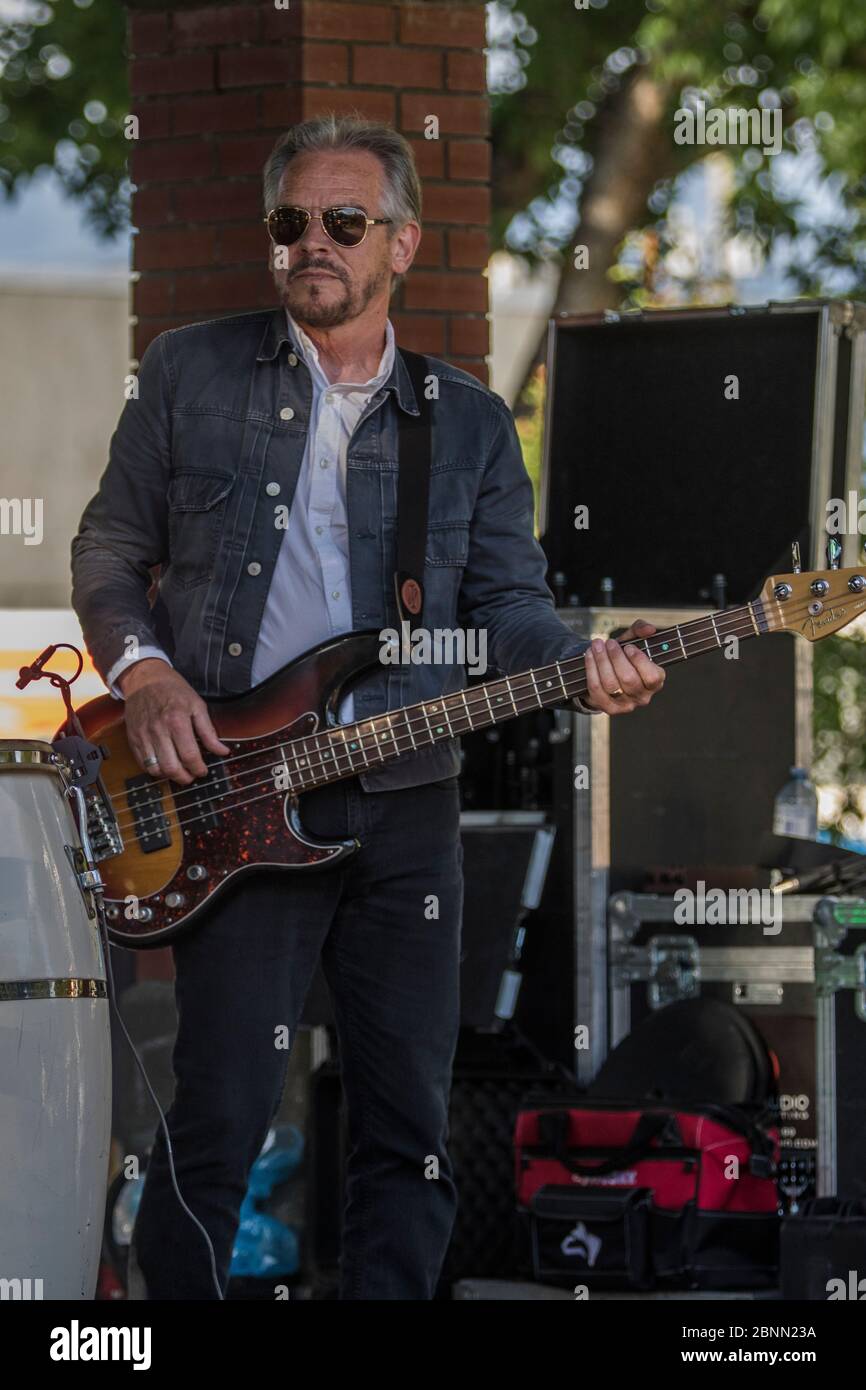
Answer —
(348, 749)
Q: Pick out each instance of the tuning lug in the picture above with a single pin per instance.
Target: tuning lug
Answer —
(783, 591)
(834, 552)
(795, 556)
(819, 587)
(857, 583)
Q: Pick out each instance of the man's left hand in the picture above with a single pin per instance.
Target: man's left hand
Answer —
(619, 677)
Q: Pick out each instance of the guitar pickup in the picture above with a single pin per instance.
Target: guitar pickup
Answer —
(151, 823)
(201, 800)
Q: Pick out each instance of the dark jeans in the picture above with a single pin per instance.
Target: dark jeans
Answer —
(387, 928)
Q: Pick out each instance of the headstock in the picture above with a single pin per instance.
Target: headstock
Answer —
(816, 603)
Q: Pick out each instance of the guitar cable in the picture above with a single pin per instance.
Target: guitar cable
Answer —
(72, 727)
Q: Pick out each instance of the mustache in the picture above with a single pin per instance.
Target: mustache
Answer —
(318, 265)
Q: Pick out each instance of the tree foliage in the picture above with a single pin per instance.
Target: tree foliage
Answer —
(63, 97)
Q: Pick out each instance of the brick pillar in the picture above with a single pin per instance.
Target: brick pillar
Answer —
(214, 85)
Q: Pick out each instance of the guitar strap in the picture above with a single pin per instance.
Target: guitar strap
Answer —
(414, 451)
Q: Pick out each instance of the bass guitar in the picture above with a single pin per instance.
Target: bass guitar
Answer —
(167, 849)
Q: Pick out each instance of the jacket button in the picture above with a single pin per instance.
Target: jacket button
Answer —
(235, 648)
(287, 413)
(293, 359)
(273, 489)
(254, 568)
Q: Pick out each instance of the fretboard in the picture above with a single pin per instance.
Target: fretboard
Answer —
(348, 749)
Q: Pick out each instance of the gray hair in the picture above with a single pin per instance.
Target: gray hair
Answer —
(401, 199)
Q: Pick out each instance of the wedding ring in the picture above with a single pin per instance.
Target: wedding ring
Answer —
(151, 762)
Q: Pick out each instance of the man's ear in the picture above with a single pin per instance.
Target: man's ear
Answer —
(404, 246)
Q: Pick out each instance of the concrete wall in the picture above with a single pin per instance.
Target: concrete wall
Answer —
(64, 352)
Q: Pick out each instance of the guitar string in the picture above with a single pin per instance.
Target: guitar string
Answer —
(480, 701)
(668, 658)
(477, 696)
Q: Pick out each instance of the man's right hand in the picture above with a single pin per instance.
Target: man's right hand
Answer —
(167, 720)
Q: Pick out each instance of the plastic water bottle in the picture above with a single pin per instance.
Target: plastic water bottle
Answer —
(795, 814)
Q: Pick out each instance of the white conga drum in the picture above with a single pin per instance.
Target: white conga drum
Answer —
(55, 1054)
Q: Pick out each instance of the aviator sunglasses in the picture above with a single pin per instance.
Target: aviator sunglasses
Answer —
(347, 226)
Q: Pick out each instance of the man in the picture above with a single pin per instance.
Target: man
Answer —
(258, 468)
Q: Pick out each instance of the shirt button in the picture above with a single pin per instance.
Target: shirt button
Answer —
(287, 413)
(254, 568)
(293, 359)
(235, 648)
(335, 593)
(323, 463)
(319, 530)
(273, 489)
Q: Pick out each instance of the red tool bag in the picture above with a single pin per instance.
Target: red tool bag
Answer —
(625, 1195)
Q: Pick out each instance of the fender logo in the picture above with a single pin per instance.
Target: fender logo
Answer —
(831, 616)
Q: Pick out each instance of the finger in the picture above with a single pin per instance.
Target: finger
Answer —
(641, 628)
(624, 675)
(596, 692)
(207, 733)
(169, 760)
(652, 676)
(142, 747)
(606, 674)
(186, 743)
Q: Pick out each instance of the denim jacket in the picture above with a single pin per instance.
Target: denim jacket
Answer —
(198, 462)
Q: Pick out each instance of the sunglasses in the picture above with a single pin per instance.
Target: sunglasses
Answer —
(345, 226)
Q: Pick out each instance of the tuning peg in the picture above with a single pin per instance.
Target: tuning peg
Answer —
(795, 556)
(834, 552)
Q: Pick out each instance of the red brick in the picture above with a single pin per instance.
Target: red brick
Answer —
(322, 20)
(154, 120)
(430, 251)
(420, 332)
(466, 72)
(164, 160)
(468, 249)
(457, 115)
(190, 72)
(152, 295)
(473, 367)
(396, 67)
(245, 155)
(250, 67)
(201, 292)
(232, 111)
(429, 157)
(469, 159)
(243, 243)
(148, 33)
(444, 26)
(281, 106)
(439, 290)
(175, 248)
(151, 207)
(226, 200)
(468, 337)
(375, 105)
(216, 24)
(463, 203)
(324, 62)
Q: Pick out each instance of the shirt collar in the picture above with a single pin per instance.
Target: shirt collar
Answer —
(307, 350)
(277, 331)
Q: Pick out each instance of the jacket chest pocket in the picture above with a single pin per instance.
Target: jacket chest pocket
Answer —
(196, 514)
(447, 544)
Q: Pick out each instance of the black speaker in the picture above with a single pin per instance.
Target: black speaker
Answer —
(702, 442)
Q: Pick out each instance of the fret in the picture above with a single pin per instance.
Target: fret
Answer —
(752, 616)
(341, 735)
(447, 719)
(468, 710)
(423, 709)
(535, 688)
(489, 706)
(511, 694)
(647, 645)
(715, 630)
(682, 646)
(408, 722)
(359, 743)
(562, 680)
